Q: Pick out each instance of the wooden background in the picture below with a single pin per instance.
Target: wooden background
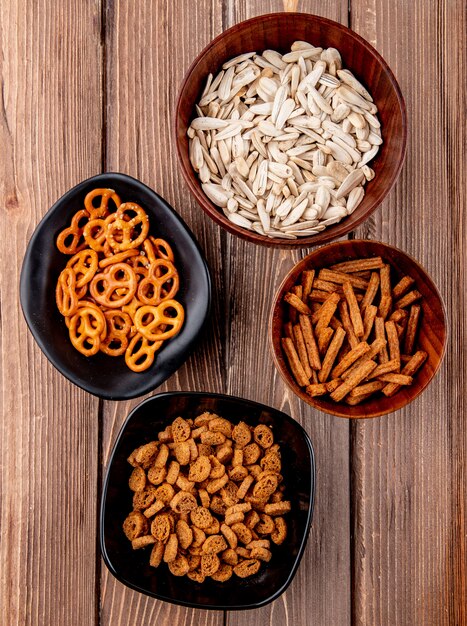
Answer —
(90, 86)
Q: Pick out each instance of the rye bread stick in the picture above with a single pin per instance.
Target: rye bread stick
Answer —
(341, 278)
(331, 354)
(297, 303)
(353, 401)
(358, 265)
(398, 315)
(366, 275)
(326, 311)
(385, 280)
(393, 341)
(350, 358)
(354, 311)
(402, 287)
(316, 390)
(301, 349)
(385, 368)
(353, 380)
(408, 299)
(375, 347)
(370, 293)
(412, 326)
(398, 379)
(368, 320)
(293, 313)
(347, 324)
(294, 362)
(380, 333)
(317, 295)
(307, 283)
(385, 306)
(325, 285)
(324, 338)
(366, 388)
(310, 342)
(410, 369)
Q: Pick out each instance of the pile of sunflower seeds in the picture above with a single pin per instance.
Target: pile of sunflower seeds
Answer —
(282, 142)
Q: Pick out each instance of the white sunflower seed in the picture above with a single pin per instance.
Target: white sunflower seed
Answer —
(208, 123)
(354, 199)
(239, 220)
(349, 79)
(350, 182)
(295, 214)
(263, 215)
(309, 53)
(217, 194)
(368, 156)
(238, 60)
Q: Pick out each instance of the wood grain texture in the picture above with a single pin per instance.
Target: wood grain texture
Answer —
(92, 85)
(326, 563)
(142, 86)
(408, 471)
(50, 129)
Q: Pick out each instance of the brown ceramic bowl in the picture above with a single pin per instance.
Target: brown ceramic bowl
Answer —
(432, 331)
(278, 31)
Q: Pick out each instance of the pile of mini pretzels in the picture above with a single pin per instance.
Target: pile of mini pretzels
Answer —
(117, 290)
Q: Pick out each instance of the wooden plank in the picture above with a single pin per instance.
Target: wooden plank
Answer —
(326, 564)
(149, 49)
(50, 133)
(408, 470)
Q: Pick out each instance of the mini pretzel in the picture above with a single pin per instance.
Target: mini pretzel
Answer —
(140, 353)
(92, 305)
(112, 255)
(85, 329)
(102, 210)
(84, 264)
(149, 319)
(94, 234)
(65, 293)
(161, 283)
(162, 249)
(120, 232)
(75, 232)
(115, 286)
(119, 326)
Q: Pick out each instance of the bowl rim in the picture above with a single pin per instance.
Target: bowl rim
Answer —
(312, 401)
(43, 345)
(335, 230)
(304, 538)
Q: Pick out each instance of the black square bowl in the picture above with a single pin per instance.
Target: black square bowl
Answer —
(102, 375)
(131, 567)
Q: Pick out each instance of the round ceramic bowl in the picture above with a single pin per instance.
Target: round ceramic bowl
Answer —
(277, 31)
(132, 567)
(432, 331)
(105, 376)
